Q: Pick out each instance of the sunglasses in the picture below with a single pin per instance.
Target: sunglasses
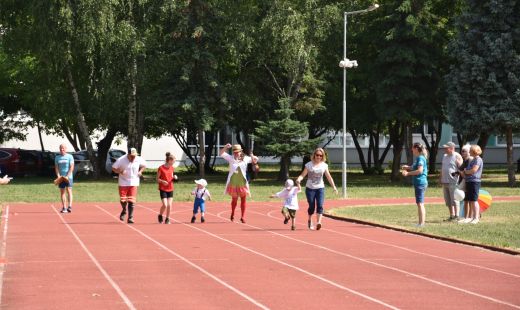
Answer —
(318, 155)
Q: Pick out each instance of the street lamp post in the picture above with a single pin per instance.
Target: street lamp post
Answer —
(346, 63)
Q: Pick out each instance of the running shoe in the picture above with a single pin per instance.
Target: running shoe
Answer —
(293, 227)
(286, 220)
(122, 215)
(64, 210)
(160, 218)
(193, 218)
(474, 221)
(231, 218)
(130, 220)
(243, 220)
(202, 220)
(69, 209)
(318, 226)
(167, 221)
(309, 224)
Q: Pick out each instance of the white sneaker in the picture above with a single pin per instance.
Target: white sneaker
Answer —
(419, 225)
(64, 210)
(309, 224)
(474, 221)
(461, 221)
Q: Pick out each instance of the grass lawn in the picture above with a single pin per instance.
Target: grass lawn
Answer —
(41, 189)
(500, 224)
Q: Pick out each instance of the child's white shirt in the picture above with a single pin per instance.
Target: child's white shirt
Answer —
(290, 197)
(201, 193)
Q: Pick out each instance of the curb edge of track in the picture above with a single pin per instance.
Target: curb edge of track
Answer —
(453, 240)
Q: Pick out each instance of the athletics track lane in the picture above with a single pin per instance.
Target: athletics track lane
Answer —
(259, 260)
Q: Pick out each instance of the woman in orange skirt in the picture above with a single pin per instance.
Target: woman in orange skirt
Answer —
(237, 185)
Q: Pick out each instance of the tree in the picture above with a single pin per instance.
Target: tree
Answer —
(484, 82)
(284, 137)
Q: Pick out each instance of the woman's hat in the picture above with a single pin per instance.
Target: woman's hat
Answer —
(237, 148)
(201, 182)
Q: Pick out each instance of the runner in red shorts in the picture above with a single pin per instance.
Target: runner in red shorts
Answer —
(129, 168)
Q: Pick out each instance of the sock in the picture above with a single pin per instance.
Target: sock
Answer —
(130, 210)
(123, 205)
(243, 206)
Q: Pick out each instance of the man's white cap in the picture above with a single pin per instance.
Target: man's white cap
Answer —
(201, 182)
(289, 183)
(133, 151)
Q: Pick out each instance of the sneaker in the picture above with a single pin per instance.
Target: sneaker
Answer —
(64, 210)
(122, 215)
(318, 226)
(286, 220)
(419, 225)
(231, 218)
(461, 220)
(69, 209)
(293, 227)
(309, 224)
(167, 221)
(467, 220)
(474, 221)
(130, 220)
(202, 220)
(243, 220)
(193, 218)
(160, 218)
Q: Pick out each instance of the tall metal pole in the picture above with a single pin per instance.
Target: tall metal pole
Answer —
(344, 166)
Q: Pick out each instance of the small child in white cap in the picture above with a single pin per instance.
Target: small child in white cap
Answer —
(201, 194)
(290, 196)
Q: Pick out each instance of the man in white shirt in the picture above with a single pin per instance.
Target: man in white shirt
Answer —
(451, 162)
(129, 169)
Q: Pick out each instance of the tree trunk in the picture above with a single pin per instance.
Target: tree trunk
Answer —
(71, 138)
(359, 150)
(285, 163)
(482, 141)
(408, 144)
(103, 147)
(397, 137)
(80, 120)
(511, 178)
(40, 136)
(133, 118)
(202, 152)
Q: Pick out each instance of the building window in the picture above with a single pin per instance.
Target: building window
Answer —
(502, 141)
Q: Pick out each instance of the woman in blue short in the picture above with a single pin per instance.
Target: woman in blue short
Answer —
(419, 171)
(472, 175)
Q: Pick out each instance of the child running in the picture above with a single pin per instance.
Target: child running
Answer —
(201, 193)
(290, 196)
(165, 177)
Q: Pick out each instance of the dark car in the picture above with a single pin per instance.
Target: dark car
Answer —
(83, 165)
(18, 162)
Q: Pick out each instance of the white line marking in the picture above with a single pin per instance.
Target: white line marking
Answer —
(288, 265)
(204, 271)
(98, 265)
(410, 250)
(3, 267)
(392, 268)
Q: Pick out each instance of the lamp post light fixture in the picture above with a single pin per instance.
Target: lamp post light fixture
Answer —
(346, 63)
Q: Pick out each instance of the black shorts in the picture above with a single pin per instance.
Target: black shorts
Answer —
(165, 194)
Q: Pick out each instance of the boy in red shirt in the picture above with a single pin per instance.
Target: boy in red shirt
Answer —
(165, 178)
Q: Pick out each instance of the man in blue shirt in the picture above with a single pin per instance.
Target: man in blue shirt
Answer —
(64, 166)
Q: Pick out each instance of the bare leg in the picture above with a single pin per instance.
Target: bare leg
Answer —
(169, 202)
(63, 198)
(163, 206)
(421, 212)
(456, 208)
(69, 192)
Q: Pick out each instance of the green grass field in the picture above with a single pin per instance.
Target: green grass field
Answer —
(40, 189)
(499, 226)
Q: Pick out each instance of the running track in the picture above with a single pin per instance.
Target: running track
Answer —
(90, 260)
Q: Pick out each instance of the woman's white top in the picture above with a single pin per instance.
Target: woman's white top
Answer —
(315, 175)
(234, 165)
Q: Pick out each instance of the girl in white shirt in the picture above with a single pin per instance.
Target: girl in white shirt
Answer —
(290, 196)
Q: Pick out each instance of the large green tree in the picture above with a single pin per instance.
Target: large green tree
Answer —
(484, 82)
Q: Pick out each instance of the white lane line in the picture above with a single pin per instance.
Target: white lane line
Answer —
(96, 262)
(3, 252)
(189, 262)
(409, 250)
(391, 268)
(335, 284)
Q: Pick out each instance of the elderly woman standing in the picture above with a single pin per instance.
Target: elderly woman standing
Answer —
(315, 187)
(472, 175)
(237, 184)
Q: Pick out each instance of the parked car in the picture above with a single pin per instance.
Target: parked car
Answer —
(18, 162)
(81, 160)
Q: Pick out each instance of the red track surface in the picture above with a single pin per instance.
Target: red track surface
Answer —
(90, 260)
